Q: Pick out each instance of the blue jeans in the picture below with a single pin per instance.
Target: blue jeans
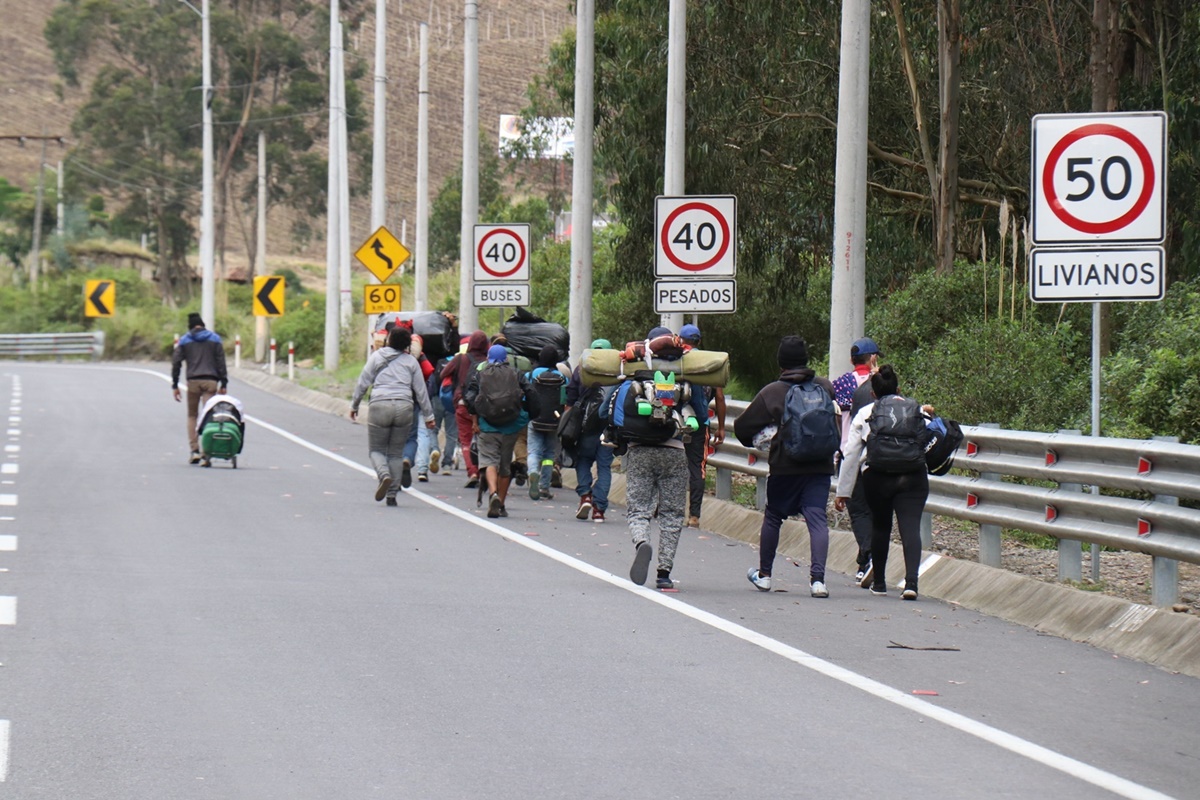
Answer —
(792, 494)
(410, 444)
(541, 446)
(427, 438)
(591, 452)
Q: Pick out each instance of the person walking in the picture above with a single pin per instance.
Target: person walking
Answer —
(394, 379)
(697, 444)
(498, 396)
(656, 479)
(204, 354)
(548, 384)
(798, 481)
(432, 456)
(459, 371)
(852, 391)
(588, 451)
(886, 453)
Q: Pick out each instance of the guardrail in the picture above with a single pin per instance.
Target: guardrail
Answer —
(1161, 470)
(55, 345)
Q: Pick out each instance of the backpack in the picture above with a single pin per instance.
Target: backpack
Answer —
(898, 436)
(500, 395)
(548, 390)
(946, 436)
(809, 430)
(594, 409)
(843, 389)
(645, 411)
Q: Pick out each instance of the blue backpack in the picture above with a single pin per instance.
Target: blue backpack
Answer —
(809, 431)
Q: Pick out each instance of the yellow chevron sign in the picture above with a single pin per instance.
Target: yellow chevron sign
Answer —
(100, 298)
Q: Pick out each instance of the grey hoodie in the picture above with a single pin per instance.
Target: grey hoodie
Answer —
(392, 375)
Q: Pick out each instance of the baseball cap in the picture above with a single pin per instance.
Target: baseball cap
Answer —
(658, 331)
(497, 354)
(689, 331)
(864, 347)
(602, 344)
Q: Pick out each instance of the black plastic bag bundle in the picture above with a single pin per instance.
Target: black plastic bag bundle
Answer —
(439, 336)
(527, 334)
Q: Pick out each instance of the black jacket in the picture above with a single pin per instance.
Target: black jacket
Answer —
(767, 409)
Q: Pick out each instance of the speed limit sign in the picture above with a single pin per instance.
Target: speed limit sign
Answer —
(1099, 178)
(380, 298)
(502, 252)
(695, 237)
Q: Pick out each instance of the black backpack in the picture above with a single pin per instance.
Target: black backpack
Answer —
(658, 425)
(898, 437)
(499, 399)
(548, 391)
(809, 431)
(945, 437)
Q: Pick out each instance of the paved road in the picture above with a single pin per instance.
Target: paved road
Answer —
(168, 631)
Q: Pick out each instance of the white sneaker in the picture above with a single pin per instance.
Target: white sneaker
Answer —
(762, 582)
(818, 589)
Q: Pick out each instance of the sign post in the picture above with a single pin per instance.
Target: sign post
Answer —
(1098, 188)
(695, 254)
(501, 269)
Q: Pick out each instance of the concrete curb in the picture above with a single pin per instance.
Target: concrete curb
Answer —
(1156, 636)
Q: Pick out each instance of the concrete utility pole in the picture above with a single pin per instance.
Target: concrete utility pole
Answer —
(581, 181)
(468, 315)
(35, 257)
(332, 236)
(260, 255)
(347, 307)
(207, 232)
(673, 172)
(422, 273)
(848, 295)
(379, 150)
(60, 209)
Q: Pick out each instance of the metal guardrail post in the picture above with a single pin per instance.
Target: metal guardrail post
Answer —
(1070, 551)
(926, 530)
(989, 535)
(724, 485)
(760, 494)
(1164, 581)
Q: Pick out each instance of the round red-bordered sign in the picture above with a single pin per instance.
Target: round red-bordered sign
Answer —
(666, 241)
(1109, 226)
(520, 262)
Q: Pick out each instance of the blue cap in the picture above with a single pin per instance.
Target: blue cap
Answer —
(657, 332)
(864, 347)
(497, 354)
(689, 331)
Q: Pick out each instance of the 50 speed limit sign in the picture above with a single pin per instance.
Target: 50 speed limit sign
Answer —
(695, 237)
(502, 252)
(1099, 178)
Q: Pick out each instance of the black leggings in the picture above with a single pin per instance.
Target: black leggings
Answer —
(904, 495)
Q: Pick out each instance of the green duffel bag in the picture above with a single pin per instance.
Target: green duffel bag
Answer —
(701, 367)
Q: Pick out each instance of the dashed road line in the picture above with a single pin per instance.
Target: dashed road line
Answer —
(8, 542)
(8, 610)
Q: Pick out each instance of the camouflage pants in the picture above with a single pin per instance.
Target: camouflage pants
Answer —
(656, 479)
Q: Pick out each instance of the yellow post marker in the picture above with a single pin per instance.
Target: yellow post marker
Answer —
(268, 295)
(382, 254)
(100, 298)
(381, 298)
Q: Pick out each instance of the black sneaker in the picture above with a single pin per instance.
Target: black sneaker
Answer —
(909, 593)
(385, 483)
(641, 563)
(879, 588)
(406, 475)
(503, 510)
(391, 501)
(493, 506)
(556, 478)
(664, 583)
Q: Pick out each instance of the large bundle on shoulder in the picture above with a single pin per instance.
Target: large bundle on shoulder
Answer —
(527, 334)
(666, 354)
(438, 332)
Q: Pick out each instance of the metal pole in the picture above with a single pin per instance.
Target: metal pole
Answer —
(673, 167)
(207, 301)
(60, 212)
(379, 151)
(580, 319)
(1095, 418)
(848, 293)
(347, 306)
(35, 257)
(422, 270)
(468, 315)
(260, 256)
(332, 237)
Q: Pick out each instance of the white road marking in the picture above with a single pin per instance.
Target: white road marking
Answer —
(14, 431)
(9, 469)
(8, 610)
(1014, 744)
(8, 499)
(14, 420)
(8, 542)
(4, 726)
(12, 448)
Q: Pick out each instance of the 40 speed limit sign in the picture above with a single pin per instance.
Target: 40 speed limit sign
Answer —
(1099, 178)
(502, 252)
(695, 237)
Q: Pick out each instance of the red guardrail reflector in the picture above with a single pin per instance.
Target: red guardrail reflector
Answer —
(1144, 527)
(1051, 513)
(972, 499)
(1145, 465)
(972, 449)
(1051, 458)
